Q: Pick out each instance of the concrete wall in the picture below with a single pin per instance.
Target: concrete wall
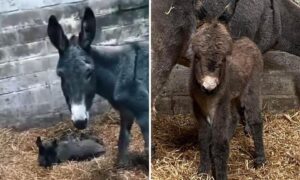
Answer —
(278, 88)
(30, 93)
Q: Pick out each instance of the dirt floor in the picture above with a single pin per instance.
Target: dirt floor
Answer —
(18, 154)
(177, 154)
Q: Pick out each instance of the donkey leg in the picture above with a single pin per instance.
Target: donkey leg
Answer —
(143, 122)
(124, 137)
(241, 112)
(204, 136)
(162, 65)
(253, 117)
(220, 141)
(235, 117)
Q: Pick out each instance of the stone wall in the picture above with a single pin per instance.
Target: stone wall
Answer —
(278, 88)
(30, 93)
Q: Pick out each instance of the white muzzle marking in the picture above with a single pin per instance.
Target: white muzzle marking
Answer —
(209, 82)
(79, 112)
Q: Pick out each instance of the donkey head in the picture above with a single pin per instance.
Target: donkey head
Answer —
(47, 152)
(211, 45)
(75, 67)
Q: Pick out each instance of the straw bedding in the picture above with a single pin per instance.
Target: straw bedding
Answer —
(18, 154)
(177, 154)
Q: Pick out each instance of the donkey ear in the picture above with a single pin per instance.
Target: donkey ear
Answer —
(39, 142)
(56, 34)
(228, 12)
(88, 29)
(54, 143)
(201, 13)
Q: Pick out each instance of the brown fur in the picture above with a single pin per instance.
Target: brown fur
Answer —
(269, 23)
(239, 66)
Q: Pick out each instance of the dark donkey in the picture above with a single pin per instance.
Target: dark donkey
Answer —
(224, 86)
(118, 73)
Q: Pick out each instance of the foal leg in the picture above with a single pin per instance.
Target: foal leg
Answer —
(251, 100)
(241, 111)
(124, 137)
(235, 117)
(220, 141)
(204, 136)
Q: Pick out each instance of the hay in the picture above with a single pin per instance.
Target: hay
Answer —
(18, 154)
(177, 154)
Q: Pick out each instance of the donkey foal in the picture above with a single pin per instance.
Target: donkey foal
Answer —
(57, 151)
(224, 85)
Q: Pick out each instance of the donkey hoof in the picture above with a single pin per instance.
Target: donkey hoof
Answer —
(259, 162)
(122, 164)
(247, 130)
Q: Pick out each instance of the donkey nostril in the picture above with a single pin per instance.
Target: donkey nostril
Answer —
(80, 124)
(209, 86)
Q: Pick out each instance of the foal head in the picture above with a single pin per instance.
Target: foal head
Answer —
(211, 46)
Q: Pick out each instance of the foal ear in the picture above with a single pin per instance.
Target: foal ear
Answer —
(228, 12)
(39, 142)
(88, 29)
(201, 13)
(54, 143)
(57, 35)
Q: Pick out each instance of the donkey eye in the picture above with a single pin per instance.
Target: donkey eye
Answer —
(59, 73)
(89, 75)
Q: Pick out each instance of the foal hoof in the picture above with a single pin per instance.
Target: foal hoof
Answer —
(203, 170)
(259, 162)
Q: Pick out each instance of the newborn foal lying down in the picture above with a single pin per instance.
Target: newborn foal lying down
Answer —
(57, 151)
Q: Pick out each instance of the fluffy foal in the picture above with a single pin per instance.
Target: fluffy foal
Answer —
(225, 86)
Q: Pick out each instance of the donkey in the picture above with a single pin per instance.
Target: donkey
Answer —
(224, 86)
(117, 73)
(269, 23)
(58, 151)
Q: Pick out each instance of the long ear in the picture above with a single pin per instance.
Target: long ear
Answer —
(56, 34)
(88, 29)
(39, 142)
(200, 11)
(228, 12)
(54, 143)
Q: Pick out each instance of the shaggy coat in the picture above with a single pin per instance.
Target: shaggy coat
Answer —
(225, 87)
(269, 23)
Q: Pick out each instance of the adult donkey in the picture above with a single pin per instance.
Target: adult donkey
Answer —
(269, 23)
(118, 73)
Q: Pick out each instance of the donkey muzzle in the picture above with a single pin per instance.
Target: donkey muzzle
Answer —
(80, 124)
(209, 83)
(80, 115)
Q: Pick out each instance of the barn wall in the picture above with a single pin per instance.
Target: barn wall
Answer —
(30, 93)
(278, 87)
